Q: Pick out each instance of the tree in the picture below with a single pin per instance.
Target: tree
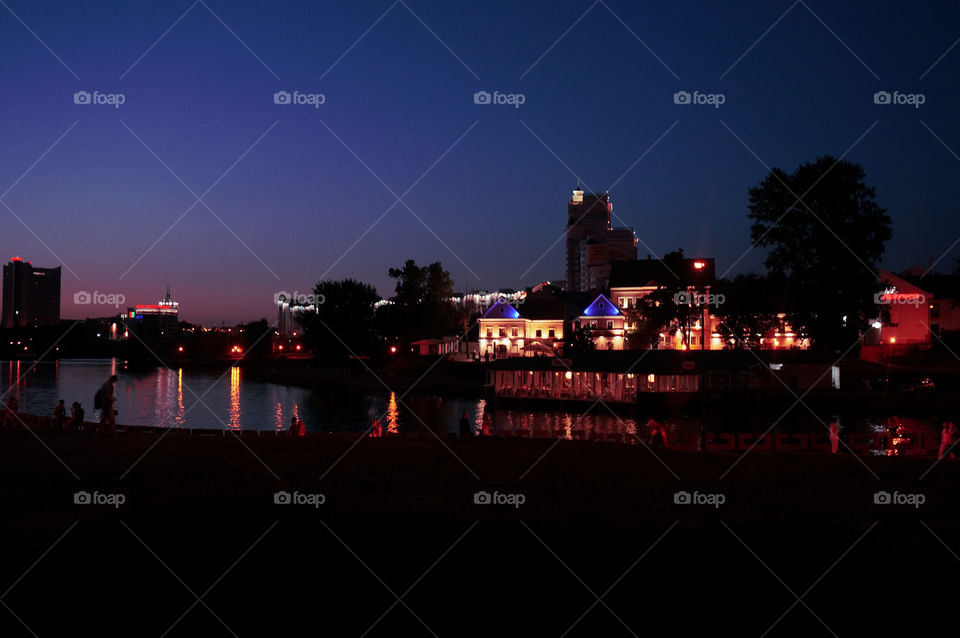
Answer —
(343, 325)
(827, 234)
(257, 342)
(660, 310)
(652, 314)
(421, 307)
(753, 305)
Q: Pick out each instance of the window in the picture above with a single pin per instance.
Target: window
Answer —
(609, 325)
(551, 333)
(513, 332)
(623, 302)
(489, 333)
(503, 332)
(539, 333)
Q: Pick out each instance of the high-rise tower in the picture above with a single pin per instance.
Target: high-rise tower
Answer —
(592, 242)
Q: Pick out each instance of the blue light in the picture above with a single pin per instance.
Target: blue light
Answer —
(602, 307)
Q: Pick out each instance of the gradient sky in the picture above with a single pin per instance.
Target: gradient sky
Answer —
(493, 204)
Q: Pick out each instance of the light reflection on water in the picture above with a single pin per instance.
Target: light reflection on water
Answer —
(234, 398)
(393, 415)
(168, 398)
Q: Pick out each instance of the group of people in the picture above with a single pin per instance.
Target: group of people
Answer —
(75, 422)
(104, 400)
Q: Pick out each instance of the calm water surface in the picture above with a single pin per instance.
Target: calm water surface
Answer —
(190, 398)
(224, 398)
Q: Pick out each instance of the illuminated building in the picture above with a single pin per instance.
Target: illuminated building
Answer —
(605, 322)
(160, 318)
(290, 316)
(593, 244)
(433, 347)
(481, 301)
(536, 328)
(903, 322)
(31, 296)
(631, 281)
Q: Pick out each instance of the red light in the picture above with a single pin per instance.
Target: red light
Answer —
(393, 349)
(180, 349)
(298, 347)
(15, 259)
(280, 347)
(699, 265)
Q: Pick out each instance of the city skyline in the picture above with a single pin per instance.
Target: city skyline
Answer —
(187, 145)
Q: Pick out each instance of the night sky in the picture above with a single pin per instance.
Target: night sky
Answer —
(293, 187)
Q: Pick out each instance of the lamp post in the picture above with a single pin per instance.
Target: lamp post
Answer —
(699, 267)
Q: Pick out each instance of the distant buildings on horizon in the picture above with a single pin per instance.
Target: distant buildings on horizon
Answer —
(31, 296)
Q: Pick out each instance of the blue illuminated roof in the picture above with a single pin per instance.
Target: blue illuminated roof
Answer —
(501, 310)
(601, 307)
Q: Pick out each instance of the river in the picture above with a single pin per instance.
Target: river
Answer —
(224, 399)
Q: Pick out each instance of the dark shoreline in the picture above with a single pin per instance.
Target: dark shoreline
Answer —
(396, 506)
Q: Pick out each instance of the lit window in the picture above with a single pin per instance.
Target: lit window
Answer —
(503, 332)
(489, 333)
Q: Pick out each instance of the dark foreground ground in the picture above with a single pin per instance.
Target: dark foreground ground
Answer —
(399, 547)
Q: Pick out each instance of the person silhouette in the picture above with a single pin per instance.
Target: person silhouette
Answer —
(465, 429)
(107, 399)
(948, 435)
(59, 414)
(76, 416)
(834, 435)
(296, 427)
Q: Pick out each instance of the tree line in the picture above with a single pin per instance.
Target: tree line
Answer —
(821, 226)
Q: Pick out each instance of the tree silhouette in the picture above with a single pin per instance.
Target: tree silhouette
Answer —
(827, 234)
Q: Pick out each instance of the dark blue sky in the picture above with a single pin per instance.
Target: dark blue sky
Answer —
(492, 203)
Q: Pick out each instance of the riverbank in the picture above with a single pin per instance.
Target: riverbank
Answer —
(576, 517)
